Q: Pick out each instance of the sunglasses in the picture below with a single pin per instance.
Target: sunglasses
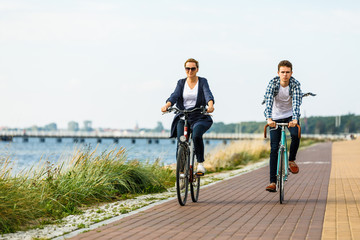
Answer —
(192, 69)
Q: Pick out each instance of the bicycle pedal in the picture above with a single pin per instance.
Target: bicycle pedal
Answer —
(199, 174)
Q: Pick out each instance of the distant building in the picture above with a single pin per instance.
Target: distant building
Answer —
(73, 126)
(50, 127)
(87, 125)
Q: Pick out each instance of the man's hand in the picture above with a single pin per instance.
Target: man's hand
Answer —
(293, 123)
(271, 122)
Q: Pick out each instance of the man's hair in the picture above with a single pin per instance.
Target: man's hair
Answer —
(192, 60)
(284, 63)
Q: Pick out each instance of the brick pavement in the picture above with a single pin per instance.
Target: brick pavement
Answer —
(238, 208)
(342, 217)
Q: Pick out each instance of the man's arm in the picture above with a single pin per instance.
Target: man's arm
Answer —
(269, 99)
(296, 102)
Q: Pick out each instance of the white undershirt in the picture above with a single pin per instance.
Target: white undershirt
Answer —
(282, 107)
(190, 95)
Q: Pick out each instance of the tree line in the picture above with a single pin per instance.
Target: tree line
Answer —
(349, 123)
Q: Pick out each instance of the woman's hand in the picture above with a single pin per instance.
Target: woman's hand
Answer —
(165, 107)
(210, 108)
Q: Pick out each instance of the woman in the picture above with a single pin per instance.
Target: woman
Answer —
(192, 92)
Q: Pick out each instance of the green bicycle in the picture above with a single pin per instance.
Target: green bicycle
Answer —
(282, 171)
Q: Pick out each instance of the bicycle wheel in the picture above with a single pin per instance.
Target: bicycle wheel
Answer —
(281, 175)
(195, 182)
(182, 174)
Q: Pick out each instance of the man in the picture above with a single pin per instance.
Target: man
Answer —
(283, 99)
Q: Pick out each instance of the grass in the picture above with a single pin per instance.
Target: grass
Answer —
(236, 154)
(51, 192)
(239, 153)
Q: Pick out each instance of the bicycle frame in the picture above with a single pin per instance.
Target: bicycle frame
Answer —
(283, 146)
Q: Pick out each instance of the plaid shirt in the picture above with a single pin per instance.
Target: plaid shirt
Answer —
(273, 89)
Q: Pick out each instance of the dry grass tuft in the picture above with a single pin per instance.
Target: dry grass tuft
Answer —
(237, 153)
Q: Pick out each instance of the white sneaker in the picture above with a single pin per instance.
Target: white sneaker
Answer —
(200, 168)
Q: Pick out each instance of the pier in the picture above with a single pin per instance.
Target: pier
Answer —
(152, 137)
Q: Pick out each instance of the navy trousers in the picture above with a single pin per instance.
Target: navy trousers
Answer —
(197, 133)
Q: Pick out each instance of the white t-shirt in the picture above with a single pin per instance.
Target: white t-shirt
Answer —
(282, 107)
(190, 95)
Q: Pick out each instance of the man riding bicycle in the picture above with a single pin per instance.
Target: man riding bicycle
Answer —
(283, 98)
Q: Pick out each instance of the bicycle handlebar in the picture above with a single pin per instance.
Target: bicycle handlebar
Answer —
(283, 124)
(185, 111)
(308, 94)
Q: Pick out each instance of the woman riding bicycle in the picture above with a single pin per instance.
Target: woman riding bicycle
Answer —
(192, 92)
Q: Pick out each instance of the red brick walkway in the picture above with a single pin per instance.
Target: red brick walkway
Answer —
(239, 208)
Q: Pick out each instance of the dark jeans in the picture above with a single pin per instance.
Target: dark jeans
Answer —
(275, 137)
(197, 134)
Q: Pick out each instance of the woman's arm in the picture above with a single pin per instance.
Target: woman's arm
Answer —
(209, 98)
(174, 96)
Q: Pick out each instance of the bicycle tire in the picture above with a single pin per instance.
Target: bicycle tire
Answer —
(182, 166)
(195, 183)
(281, 176)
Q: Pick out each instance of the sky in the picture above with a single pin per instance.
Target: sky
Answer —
(116, 62)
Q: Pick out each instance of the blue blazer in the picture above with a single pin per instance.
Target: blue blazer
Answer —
(203, 97)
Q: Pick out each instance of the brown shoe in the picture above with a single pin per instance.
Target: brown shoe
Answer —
(271, 187)
(293, 167)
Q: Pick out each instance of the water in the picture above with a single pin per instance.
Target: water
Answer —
(27, 154)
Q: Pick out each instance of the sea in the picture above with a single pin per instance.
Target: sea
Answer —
(26, 155)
